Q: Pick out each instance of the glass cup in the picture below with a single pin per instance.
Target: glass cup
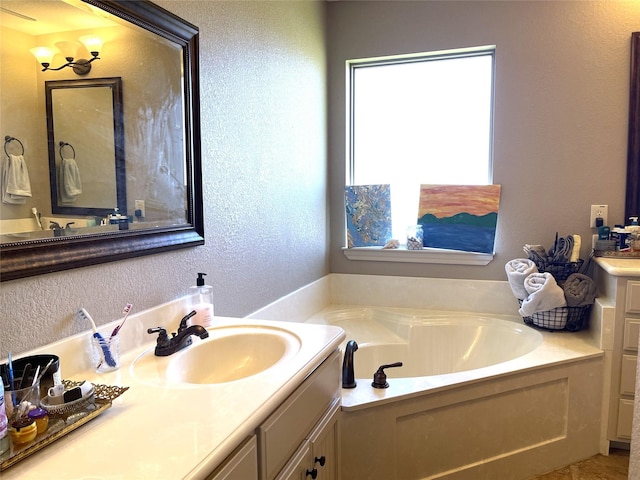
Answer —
(20, 399)
(415, 237)
(105, 352)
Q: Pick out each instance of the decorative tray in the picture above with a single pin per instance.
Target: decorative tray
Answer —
(602, 253)
(64, 421)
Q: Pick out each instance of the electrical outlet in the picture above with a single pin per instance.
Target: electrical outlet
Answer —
(139, 205)
(598, 211)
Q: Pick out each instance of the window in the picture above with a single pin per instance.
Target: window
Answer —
(420, 119)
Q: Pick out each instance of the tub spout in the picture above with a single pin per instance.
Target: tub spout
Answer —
(348, 375)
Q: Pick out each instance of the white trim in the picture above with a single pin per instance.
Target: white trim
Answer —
(426, 255)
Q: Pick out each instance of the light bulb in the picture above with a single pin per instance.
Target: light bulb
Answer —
(69, 49)
(92, 43)
(44, 55)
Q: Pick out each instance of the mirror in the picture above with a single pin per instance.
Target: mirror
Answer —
(156, 160)
(86, 146)
(632, 205)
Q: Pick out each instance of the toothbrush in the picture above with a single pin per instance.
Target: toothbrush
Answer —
(35, 375)
(39, 376)
(11, 384)
(103, 343)
(126, 311)
(84, 314)
(34, 210)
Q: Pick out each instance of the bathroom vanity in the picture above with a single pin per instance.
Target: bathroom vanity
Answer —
(279, 423)
(298, 440)
(618, 282)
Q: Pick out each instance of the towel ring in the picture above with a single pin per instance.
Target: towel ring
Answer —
(65, 144)
(8, 139)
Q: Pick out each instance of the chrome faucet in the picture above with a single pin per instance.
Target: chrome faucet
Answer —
(166, 346)
(348, 375)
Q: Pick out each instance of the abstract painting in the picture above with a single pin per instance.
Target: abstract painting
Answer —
(459, 217)
(368, 209)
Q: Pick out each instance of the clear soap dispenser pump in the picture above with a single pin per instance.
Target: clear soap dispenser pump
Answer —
(202, 302)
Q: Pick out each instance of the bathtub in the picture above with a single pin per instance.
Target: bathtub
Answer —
(478, 396)
(430, 343)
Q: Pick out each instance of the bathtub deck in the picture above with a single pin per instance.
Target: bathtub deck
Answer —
(557, 348)
(511, 420)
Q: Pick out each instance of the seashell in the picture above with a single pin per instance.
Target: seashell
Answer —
(393, 243)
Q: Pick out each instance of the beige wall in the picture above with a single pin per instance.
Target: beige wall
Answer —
(561, 106)
(263, 96)
(560, 145)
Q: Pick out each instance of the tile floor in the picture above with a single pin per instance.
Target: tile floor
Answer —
(598, 467)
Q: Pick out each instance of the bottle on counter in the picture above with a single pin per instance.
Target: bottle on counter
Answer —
(202, 302)
(4, 435)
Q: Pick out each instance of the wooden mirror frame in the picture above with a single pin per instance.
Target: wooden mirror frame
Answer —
(632, 205)
(46, 255)
(114, 84)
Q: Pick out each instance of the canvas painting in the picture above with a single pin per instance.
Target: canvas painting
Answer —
(459, 217)
(368, 209)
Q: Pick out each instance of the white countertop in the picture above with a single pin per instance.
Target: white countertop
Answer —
(169, 432)
(620, 267)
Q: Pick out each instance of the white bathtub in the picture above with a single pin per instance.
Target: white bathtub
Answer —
(478, 396)
(430, 343)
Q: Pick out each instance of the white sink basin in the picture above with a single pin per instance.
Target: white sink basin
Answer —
(229, 354)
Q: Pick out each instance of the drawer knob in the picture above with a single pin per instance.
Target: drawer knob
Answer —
(320, 460)
(312, 473)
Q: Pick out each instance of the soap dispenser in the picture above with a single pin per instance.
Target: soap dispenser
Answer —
(202, 302)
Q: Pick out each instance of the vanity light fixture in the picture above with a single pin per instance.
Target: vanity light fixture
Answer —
(45, 55)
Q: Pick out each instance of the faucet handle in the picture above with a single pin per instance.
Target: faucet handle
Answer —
(380, 378)
(163, 338)
(185, 319)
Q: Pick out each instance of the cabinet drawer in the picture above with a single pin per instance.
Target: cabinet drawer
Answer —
(628, 375)
(631, 332)
(281, 434)
(625, 418)
(633, 297)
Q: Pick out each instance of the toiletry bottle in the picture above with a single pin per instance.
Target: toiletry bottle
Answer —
(4, 437)
(202, 302)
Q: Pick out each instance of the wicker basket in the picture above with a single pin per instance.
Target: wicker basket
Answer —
(570, 319)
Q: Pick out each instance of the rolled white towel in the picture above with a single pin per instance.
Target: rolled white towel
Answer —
(544, 294)
(517, 270)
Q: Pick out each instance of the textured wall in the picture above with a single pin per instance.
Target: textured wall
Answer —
(561, 106)
(263, 97)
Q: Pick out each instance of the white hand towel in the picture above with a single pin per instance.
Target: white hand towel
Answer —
(72, 183)
(6, 196)
(18, 177)
(517, 270)
(69, 183)
(544, 294)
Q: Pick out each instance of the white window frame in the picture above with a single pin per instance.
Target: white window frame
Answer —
(426, 255)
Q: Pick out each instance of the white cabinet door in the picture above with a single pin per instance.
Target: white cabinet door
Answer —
(298, 467)
(324, 445)
(241, 465)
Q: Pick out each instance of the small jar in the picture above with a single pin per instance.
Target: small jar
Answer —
(41, 418)
(23, 431)
(415, 237)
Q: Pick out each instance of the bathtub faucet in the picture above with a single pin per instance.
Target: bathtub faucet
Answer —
(380, 378)
(348, 375)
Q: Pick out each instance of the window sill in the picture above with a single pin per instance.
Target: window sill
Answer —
(426, 255)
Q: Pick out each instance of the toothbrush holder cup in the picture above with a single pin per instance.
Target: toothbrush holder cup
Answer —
(21, 399)
(105, 351)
